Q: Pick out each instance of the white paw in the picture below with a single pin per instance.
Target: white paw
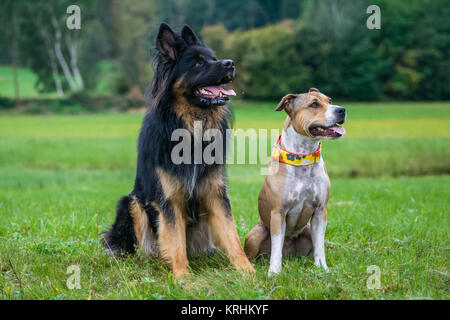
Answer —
(273, 271)
(272, 274)
(321, 264)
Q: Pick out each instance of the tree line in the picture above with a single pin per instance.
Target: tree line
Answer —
(330, 47)
(278, 46)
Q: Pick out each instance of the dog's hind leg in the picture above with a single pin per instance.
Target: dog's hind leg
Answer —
(303, 245)
(145, 237)
(121, 238)
(254, 239)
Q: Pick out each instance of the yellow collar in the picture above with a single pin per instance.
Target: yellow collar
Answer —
(295, 159)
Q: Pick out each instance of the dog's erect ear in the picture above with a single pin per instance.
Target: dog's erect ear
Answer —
(166, 42)
(313, 90)
(189, 36)
(286, 102)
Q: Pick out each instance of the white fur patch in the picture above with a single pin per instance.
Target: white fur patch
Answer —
(276, 256)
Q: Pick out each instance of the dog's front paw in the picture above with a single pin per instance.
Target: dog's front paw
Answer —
(321, 264)
(274, 270)
(324, 268)
(248, 268)
(180, 272)
(243, 264)
(272, 274)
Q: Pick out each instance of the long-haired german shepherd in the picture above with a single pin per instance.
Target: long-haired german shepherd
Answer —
(176, 210)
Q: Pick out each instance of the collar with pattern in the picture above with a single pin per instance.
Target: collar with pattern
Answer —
(295, 159)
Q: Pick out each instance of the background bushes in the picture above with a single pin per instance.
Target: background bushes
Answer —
(408, 59)
(278, 46)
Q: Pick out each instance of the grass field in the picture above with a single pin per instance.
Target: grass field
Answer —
(27, 80)
(60, 178)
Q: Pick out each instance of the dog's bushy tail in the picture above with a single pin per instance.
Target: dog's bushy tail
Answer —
(120, 239)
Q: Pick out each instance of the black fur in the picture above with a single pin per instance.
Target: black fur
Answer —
(120, 238)
(178, 56)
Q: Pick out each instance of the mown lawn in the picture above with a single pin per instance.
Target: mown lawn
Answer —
(60, 177)
(27, 80)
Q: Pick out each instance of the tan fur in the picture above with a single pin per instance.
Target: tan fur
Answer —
(172, 235)
(221, 222)
(210, 117)
(270, 206)
(255, 238)
(304, 116)
(211, 187)
(294, 247)
(140, 221)
(172, 187)
(276, 218)
(212, 213)
(225, 235)
(287, 123)
(268, 199)
(296, 106)
(304, 217)
(172, 243)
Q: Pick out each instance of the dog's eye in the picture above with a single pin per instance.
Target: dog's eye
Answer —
(315, 104)
(200, 62)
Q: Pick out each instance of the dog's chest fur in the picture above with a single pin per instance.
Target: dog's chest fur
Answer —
(306, 188)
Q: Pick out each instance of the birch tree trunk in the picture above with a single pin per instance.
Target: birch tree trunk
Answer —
(60, 56)
(71, 45)
(55, 73)
(15, 56)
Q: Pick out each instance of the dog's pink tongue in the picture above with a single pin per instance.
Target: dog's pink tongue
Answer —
(338, 129)
(216, 90)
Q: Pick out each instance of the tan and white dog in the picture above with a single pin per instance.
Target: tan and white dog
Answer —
(297, 187)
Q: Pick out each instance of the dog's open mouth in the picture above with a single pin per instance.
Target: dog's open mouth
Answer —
(216, 94)
(334, 131)
(213, 92)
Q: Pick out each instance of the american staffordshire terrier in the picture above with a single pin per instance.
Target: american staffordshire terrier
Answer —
(297, 188)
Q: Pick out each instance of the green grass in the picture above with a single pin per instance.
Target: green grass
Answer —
(60, 178)
(27, 81)
(109, 73)
(406, 145)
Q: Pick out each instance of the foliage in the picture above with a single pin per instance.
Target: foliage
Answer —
(279, 46)
(330, 47)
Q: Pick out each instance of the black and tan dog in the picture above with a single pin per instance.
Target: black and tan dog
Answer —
(298, 187)
(176, 210)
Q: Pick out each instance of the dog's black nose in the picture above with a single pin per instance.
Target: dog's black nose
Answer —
(228, 64)
(341, 114)
(340, 111)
